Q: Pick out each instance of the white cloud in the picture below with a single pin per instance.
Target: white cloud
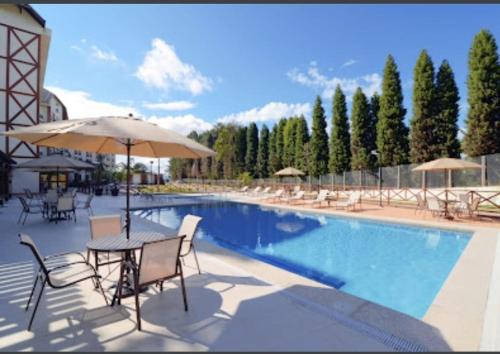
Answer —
(181, 124)
(163, 69)
(370, 83)
(94, 52)
(349, 63)
(102, 55)
(269, 112)
(80, 104)
(169, 106)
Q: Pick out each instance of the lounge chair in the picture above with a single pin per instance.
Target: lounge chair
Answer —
(27, 209)
(435, 207)
(243, 190)
(160, 261)
(421, 204)
(255, 191)
(464, 207)
(294, 198)
(276, 196)
(265, 192)
(58, 277)
(188, 228)
(320, 198)
(102, 226)
(350, 202)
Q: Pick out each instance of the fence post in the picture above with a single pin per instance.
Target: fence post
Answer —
(424, 184)
(398, 183)
(331, 178)
(343, 180)
(484, 180)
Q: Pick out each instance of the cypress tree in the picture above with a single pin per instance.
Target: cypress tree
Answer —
(392, 134)
(361, 133)
(371, 136)
(289, 142)
(340, 141)
(252, 146)
(301, 139)
(483, 84)
(280, 144)
(424, 144)
(318, 145)
(273, 158)
(263, 152)
(447, 98)
(240, 150)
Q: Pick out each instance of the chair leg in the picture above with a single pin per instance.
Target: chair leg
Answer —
(32, 291)
(196, 259)
(20, 216)
(36, 304)
(96, 259)
(102, 290)
(25, 217)
(137, 305)
(183, 288)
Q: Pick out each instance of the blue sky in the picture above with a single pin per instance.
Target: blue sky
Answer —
(189, 66)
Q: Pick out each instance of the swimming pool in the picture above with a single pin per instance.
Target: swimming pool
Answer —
(398, 266)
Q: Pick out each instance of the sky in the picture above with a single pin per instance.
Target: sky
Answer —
(188, 67)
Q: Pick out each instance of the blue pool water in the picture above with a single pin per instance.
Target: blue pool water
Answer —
(398, 266)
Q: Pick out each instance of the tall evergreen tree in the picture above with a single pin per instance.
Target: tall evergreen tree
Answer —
(301, 139)
(289, 142)
(240, 150)
(424, 142)
(252, 146)
(273, 162)
(318, 145)
(447, 99)
(263, 153)
(392, 134)
(371, 138)
(225, 150)
(280, 144)
(483, 84)
(340, 141)
(361, 132)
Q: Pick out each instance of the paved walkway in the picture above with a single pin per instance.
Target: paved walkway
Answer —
(229, 308)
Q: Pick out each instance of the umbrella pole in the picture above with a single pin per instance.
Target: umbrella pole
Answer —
(127, 216)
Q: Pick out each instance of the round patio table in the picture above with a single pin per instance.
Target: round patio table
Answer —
(120, 243)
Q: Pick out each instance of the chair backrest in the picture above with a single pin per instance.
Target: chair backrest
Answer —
(266, 190)
(433, 204)
(25, 205)
(323, 193)
(105, 225)
(188, 226)
(52, 196)
(244, 189)
(88, 200)
(257, 189)
(159, 259)
(296, 189)
(354, 197)
(65, 203)
(464, 198)
(299, 195)
(475, 204)
(27, 241)
(420, 200)
(73, 192)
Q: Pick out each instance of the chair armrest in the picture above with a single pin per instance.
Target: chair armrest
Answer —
(63, 254)
(67, 265)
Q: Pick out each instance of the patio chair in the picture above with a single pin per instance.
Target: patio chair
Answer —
(435, 206)
(296, 189)
(256, 191)
(296, 197)
(320, 198)
(51, 196)
(160, 261)
(276, 196)
(31, 198)
(421, 203)
(264, 192)
(243, 190)
(102, 226)
(350, 202)
(86, 204)
(59, 277)
(188, 228)
(66, 206)
(27, 209)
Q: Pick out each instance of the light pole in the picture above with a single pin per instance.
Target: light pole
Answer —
(151, 181)
(158, 180)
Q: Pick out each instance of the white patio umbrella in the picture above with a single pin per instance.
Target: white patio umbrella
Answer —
(57, 163)
(113, 135)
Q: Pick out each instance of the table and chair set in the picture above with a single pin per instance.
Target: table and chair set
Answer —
(145, 258)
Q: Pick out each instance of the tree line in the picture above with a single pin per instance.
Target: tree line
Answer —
(375, 134)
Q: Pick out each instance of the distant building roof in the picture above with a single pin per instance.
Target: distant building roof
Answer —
(47, 95)
(36, 16)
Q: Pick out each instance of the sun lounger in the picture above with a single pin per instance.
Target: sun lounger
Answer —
(350, 202)
(294, 198)
(321, 197)
(277, 195)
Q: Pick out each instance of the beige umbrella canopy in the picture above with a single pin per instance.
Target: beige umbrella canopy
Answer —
(113, 135)
(445, 164)
(289, 171)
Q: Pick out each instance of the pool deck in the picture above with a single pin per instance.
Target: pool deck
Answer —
(239, 303)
